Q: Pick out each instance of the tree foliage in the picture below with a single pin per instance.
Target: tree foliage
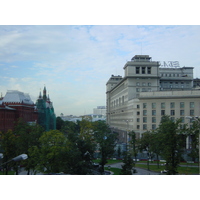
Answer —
(52, 144)
(106, 141)
(127, 167)
(171, 142)
(8, 144)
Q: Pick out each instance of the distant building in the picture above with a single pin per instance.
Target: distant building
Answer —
(71, 118)
(46, 115)
(147, 92)
(100, 110)
(196, 83)
(96, 117)
(16, 105)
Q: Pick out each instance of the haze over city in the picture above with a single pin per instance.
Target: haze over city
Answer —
(75, 62)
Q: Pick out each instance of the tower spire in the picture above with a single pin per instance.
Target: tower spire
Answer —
(40, 95)
(44, 93)
(48, 97)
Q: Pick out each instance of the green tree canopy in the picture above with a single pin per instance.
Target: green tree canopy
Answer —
(106, 141)
(171, 142)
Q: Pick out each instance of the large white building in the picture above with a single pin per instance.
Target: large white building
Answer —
(148, 91)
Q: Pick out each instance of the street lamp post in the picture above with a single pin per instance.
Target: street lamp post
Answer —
(196, 118)
(127, 122)
(15, 159)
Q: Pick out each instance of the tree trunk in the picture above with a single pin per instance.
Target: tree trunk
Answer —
(157, 161)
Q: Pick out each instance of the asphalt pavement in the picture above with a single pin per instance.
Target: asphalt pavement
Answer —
(139, 170)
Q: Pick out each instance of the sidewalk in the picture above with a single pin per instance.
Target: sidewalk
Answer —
(23, 172)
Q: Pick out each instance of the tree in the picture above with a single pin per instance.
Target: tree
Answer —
(59, 123)
(146, 143)
(78, 158)
(86, 128)
(127, 167)
(8, 144)
(119, 151)
(70, 127)
(133, 144)
(106, 141)
(193, 132)
(27, 136)
(155, 146)
(53, 143)
(171, 143)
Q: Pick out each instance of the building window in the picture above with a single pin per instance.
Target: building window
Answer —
(191, 112)
(172, 119)
(191, 104)
(172, 112)
(149, 70)
(153, 105)
(138, 106)
(153, 120)
(149, 89)
(143, 70)
(162, 105)
(149, 84)
(153, 126)
(144, 127)
(137, 89)
(144, 119)
(144, 112)
(181, 104)
(138, 126)
(137, 70)
(153, 112)
(182, 112)
(138, 113)
(182, 119)
(122, 99)
(191, 120)
(172, 105)
(162, 112)
(138, 119)
(117, 102)
(138, 84)
(144, 105)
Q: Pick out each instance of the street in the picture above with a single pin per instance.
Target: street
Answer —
(139, 170)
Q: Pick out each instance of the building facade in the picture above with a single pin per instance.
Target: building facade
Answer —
(147, 91)
(100, 110)
(16, 105)
(46, 115)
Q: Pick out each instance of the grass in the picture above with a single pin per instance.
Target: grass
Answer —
(116, 171)
(9, 173)
(155, 162)
(187, 170)
(181, 170)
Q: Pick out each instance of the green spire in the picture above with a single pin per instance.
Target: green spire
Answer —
(44, 93)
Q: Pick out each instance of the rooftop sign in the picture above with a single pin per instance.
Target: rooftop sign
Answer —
(169, 64)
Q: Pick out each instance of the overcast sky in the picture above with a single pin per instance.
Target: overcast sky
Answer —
(75, 62)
